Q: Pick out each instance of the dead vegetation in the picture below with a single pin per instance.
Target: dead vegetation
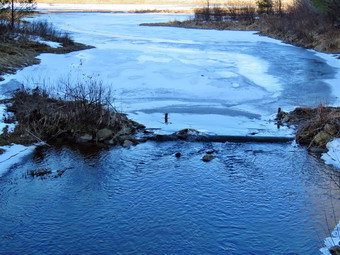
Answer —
(82, 110)
(196, 24)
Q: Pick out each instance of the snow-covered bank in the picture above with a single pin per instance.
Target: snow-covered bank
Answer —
(332, 241)
(13, 154)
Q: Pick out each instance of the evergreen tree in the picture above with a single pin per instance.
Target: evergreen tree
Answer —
(265, 6)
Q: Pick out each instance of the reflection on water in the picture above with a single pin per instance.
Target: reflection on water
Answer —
(251, 199)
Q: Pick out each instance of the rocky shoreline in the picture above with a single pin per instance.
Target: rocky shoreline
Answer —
(315, 126)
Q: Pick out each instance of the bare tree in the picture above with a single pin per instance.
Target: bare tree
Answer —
(17, 8)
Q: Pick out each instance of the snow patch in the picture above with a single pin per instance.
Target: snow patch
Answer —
(13, 154)
(332, 157)
(332, 241)
(49, 43)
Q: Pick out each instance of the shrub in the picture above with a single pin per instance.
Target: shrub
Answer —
(45, 30)
(82, 107)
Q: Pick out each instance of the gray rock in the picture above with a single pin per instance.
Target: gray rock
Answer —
(208, 157)
(285, 119)
(104, 134)
(335, 250)
(187, 133)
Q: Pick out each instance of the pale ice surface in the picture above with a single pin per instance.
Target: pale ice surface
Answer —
(220, 82)
(13, 154)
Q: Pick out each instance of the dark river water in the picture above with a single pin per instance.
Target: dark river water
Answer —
(250, 199)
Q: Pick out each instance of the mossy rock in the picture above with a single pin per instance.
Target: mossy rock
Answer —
(321, 139)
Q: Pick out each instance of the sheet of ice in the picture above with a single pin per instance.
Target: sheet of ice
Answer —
(333, 240)
(224, 82)
(332, 157)
(13, 154)
(111, 7)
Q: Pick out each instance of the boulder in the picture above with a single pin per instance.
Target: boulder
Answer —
(84, 138)
(186, 133)
(285, 119)
(335, 250)
(104, 134)
(208, 157)
(125, 130)
(321, 139)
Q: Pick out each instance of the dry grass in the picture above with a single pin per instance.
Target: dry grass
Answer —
(194, 24)
(15, 54)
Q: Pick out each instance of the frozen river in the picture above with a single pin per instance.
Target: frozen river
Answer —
(250, 199)
(222, 82)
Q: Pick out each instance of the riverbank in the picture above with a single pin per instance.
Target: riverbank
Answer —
(323, 41)
(18, 53)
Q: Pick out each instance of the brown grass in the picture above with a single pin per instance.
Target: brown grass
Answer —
(194, 24)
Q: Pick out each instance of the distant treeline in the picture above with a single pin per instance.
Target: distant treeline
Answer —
(308, 23)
